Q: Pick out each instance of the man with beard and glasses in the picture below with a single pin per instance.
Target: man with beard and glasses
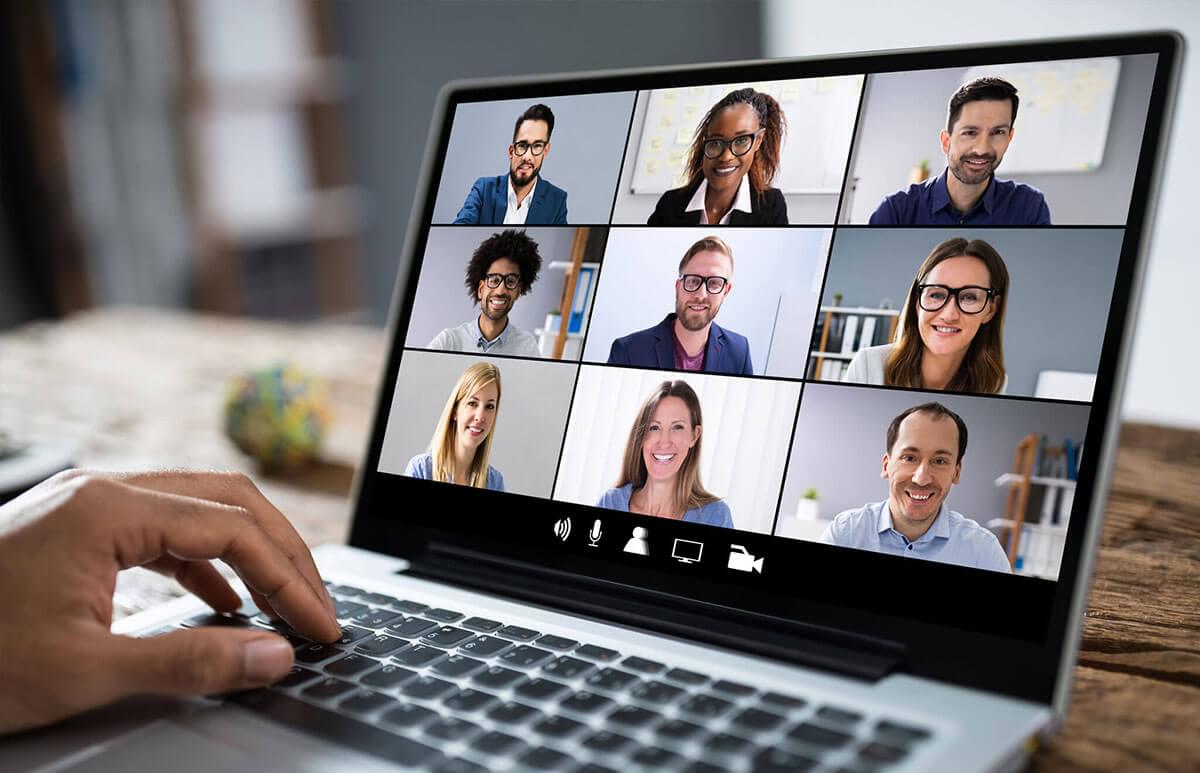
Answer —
(689, 339)
(521, 197)
(979, 127)
(502, 269)
(925, 447)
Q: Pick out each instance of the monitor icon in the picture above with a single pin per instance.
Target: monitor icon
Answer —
(742, 560)
(687, 551)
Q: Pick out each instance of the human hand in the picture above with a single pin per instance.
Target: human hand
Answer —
(58, 570)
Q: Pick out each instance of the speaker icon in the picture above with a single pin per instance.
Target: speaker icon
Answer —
(562, 528)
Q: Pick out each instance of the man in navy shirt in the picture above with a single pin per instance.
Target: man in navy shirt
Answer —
(978, 130)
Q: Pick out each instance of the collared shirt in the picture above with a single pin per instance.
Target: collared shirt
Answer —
(682, 360)
(1004, 202)
(952, 538)
(740, 202)
(516, 213)
(467, 337)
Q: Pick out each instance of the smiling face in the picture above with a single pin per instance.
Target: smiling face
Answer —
(725, 172)
(668, 438)
(980, 136)
(522, 169)
(948, 331)
(695, 310)
(497, 302)
(921, 467)
(474, 417)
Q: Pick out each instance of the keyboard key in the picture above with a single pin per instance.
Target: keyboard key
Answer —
(378, 599)
(611, 679)
(838, 716)
(447, 636)
(380, 645)
(585, 703)
(543, 758)
(457, 666)
(757, 720)
(816, 735)
(485, 646)
(690, 678)
(373, 617)
(513, 713)
(525, 656)
(592, 767)
(558, 727)
(443, 615)
(518, 633)
(216, 620)
(452, 729)
(605, 742)
(735, 689)
(497, 743)
(411, 627)
(426, 688)
(350, 665)
(408, 607)
(418, 655)
(656, 692)
(296, 677)
(704, 767)
(328, 688)
(878, 752)
(678, 730)
(347, 609)
(540, 690)
(726, 744)
(634, 663)
(351, 634)
(459, 765)
(364, 702)
(784, 701)
(653, 757)
(898, 734)
(592, 652)
(481, 624)
(497, 678)
(388, 676)
(344, 590)
(409, 715)
(632, 716)
(706, 706)
(779, 761)
(470, 701)
(315, 652)
(567, 667)
(560, 643)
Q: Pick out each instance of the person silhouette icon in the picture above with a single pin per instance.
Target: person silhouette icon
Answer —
(637, 543)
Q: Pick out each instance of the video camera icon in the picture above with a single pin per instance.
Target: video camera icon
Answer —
(742, 560)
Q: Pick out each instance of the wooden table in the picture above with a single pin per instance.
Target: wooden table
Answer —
(135, 388)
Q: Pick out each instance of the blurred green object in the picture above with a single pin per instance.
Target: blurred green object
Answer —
(278, 415)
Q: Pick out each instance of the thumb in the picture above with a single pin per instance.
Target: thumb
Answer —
(200, 661)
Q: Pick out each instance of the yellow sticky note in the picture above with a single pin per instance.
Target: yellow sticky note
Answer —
(691, 113)
(656, 143)
(665, 122)
(826, 85)
(651, 167)
(790, 92)
(696, 91)
(670, 95)
(683, 137)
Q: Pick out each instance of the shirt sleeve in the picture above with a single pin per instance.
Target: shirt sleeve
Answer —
(828, 535)
(990, 555)
(1043, 215)
(856, 371)
(417, 468)
(884, 214)
(719, 514)
(442, 341)
(495, 479)
(616, 353)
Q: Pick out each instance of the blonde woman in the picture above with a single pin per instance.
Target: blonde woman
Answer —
(462, 441)
(660, 474)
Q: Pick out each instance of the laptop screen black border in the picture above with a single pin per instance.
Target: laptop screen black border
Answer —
(951, 638)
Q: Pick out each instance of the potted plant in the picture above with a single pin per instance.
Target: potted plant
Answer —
(809, 506)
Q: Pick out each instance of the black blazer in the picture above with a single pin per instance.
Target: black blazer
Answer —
(772, 210)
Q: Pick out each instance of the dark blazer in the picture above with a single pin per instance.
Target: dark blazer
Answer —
(772, 210)
(488, 201)
(654, 347)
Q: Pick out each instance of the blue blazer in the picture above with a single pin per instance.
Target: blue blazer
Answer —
(726, 351)
(488, 201)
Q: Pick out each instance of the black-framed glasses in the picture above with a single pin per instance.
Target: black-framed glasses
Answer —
(510, 280)
(971, 299)
(522, 147)
(739, 145)
(713, 284)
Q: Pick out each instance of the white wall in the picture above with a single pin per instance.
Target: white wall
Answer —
(1159, 378)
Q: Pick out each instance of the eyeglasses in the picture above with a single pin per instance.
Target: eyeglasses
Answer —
(971, 299)
(510, 280)
(713, 284)
(537, 148)
(739, 145)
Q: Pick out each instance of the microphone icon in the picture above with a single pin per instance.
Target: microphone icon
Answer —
(594, 534)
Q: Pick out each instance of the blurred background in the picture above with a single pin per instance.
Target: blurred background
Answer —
(258, 158)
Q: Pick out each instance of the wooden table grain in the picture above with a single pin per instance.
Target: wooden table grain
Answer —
(135, 388)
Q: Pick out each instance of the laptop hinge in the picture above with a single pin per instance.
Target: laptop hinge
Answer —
(819, 647)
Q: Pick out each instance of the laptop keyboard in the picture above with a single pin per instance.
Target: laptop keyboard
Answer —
(433, 688)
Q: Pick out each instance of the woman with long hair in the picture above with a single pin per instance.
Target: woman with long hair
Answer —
(660, 472)
(462, 440)
(730, 167)
(951, 331)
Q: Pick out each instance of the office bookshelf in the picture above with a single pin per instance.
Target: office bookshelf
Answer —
(845, 330)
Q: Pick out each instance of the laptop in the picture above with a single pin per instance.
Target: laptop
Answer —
(659, 478)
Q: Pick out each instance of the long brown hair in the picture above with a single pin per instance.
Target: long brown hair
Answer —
(441, 448)
(766, 160)
(982, 368)
(689, 494)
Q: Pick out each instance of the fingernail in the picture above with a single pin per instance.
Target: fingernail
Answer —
(329, 602)
(266, 659)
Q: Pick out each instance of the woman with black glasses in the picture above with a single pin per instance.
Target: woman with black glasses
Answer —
(951, 331)
(733, 159)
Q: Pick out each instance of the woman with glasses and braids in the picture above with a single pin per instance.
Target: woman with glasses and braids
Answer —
(732, 161)
(951, 332)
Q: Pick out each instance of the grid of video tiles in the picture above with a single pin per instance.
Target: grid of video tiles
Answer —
(721, 303)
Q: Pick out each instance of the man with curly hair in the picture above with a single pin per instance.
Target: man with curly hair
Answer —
(502, 269)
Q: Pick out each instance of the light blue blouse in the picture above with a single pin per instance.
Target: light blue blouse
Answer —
(713, 514)
(421, 466)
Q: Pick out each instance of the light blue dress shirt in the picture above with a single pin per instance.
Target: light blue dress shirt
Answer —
(951, 539)
(467, 337)
(421, 466)
(713, 514)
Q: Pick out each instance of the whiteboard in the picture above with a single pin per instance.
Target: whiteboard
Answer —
(820, 116)
(1062, 121)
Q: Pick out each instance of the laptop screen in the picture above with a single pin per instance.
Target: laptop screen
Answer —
(790, 337)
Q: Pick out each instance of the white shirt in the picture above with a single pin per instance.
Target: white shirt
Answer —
(741, 202)
(516, 213)
(868, 364)
(467, 337)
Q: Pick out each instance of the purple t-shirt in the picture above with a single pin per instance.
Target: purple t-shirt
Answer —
(683, 361)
